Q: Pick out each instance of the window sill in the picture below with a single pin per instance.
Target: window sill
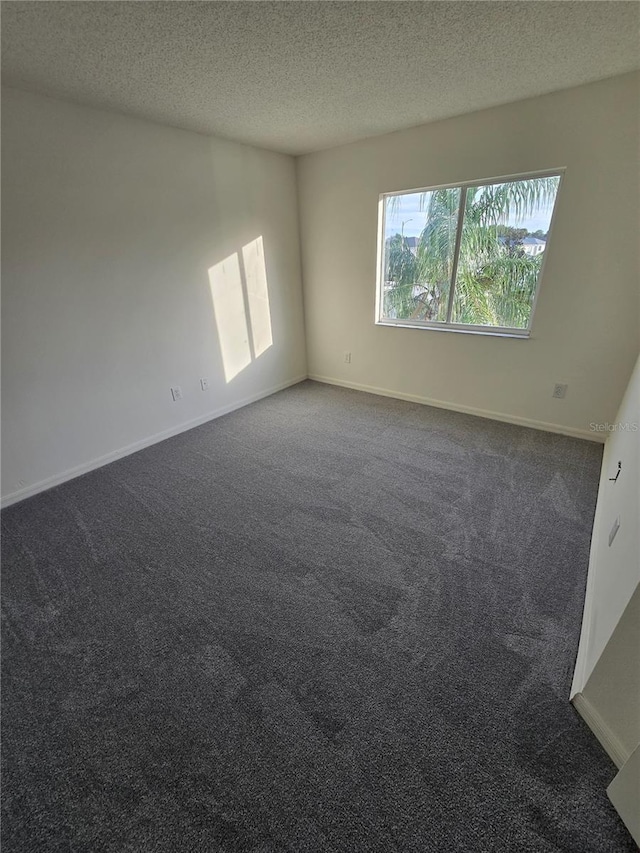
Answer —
(486, 331)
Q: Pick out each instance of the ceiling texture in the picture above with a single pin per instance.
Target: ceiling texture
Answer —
(302, 76)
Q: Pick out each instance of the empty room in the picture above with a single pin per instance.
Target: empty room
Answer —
(320, 427)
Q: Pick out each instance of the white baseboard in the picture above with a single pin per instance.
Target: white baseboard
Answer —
(467, 410)
(611, 744)
(92, 464)
(77, 471)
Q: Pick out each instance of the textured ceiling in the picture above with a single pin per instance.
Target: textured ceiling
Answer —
(300, 76)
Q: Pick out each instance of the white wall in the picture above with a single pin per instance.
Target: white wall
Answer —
(624, 793)
(613, 688)
(585, 331)
(110, 226)
(614, 571)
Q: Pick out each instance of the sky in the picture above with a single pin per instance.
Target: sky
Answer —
(408, 211)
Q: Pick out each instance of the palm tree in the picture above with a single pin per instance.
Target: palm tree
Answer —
(400, 275)
(495, 280)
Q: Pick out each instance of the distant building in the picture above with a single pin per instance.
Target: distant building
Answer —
(533, 245)
(412, 244)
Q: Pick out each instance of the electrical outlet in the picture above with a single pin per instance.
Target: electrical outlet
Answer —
(204, 383)
(347, 358)
(176, 393)
(560, 391)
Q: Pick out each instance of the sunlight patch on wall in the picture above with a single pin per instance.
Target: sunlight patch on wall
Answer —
(240, 296)
(227, 294)
(257, 295)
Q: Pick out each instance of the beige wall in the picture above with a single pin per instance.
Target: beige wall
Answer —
(614, 569)
(610, 705)
(624, 793)
(585, 331)
(110, 228)
(613, 688)
(606, 683)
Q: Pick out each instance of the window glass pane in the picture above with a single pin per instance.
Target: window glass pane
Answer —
(504, 236)
(419, 241)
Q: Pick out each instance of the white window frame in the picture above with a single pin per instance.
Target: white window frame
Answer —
(448, 326)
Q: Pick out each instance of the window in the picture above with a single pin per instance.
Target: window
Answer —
(467, 257)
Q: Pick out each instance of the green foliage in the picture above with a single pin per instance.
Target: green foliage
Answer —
(401, 271)
(495, 280)
(511, 238)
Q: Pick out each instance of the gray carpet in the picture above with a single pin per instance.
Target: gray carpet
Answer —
(328, 622)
